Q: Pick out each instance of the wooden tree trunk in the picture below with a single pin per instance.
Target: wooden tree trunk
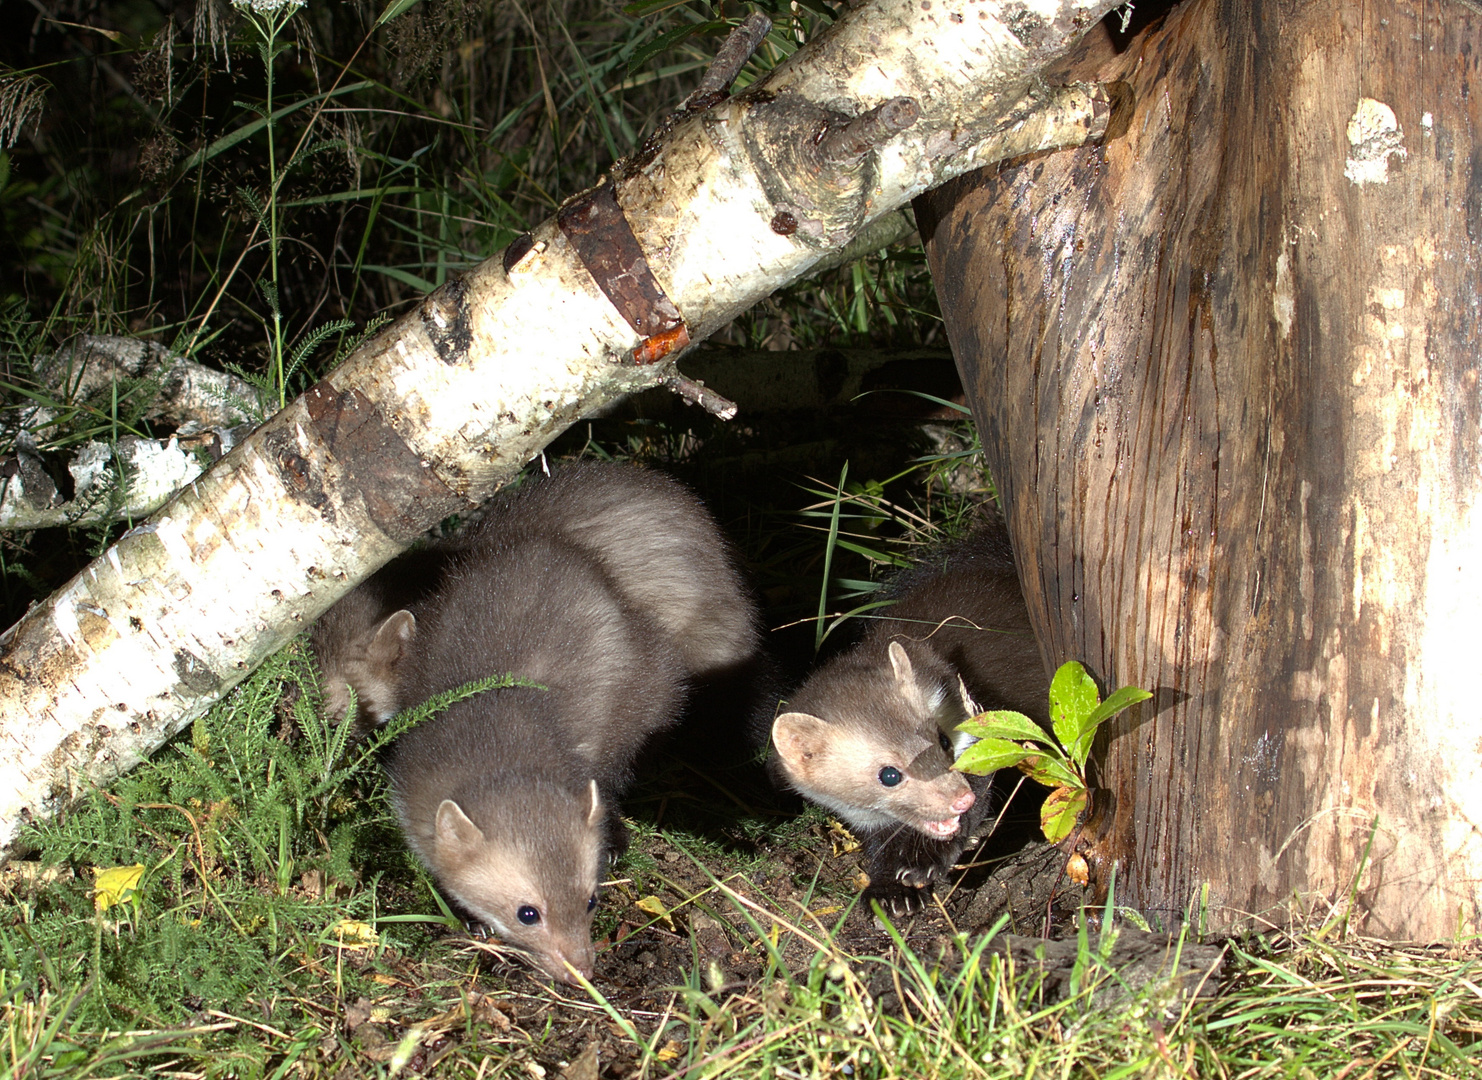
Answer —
(1226, 371)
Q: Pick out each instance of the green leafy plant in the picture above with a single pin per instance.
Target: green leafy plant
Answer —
(1010, 739)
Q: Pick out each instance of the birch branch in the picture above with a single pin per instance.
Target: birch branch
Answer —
(132, 476)
(735, 198)
(111, 481)
(180, 391)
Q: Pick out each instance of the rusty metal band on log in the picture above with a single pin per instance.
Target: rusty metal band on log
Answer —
(401, 494)
(603, 240)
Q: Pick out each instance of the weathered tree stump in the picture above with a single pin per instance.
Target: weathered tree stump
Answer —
(1225, 368)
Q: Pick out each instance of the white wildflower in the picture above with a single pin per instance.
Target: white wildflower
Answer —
(269, 7)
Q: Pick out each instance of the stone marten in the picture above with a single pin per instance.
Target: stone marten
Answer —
(871, 734)
(611, 587)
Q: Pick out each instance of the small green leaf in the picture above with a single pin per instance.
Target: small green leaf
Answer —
(1003, 724)
(1057, 817)
(1050, 772)
(990, 755)
(1121, 699)
(1073, 697)
(1080, 750)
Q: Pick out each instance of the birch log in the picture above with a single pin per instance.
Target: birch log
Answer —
(127, 478)
(733, 199)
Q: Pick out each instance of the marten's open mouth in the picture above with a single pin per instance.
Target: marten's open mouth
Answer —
(942, 830)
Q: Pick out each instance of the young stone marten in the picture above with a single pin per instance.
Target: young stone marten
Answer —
(612, 588)
(871, 734)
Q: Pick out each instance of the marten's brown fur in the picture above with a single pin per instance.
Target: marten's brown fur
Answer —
(612, 588)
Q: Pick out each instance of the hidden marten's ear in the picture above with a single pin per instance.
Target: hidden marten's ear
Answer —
(900, 663)
(392, 638)
(594, 806)
(969, 706)
(454, 826)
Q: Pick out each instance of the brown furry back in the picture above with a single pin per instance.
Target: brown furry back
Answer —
(657, 543)
(538, 607)
(964, 600)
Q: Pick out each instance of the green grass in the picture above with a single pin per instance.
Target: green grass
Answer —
(253, 842)
(277, 900)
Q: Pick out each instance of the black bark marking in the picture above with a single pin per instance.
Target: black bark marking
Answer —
(445, 318)
(519, 247)
(301, 480)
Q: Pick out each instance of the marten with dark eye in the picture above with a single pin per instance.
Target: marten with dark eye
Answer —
(871, 734)
(609, 586)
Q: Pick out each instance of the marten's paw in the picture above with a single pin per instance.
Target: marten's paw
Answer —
(897, 899)
(918, 877)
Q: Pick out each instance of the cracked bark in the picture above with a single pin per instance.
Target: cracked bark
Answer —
(1227, 386)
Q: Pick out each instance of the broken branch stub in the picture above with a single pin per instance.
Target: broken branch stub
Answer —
(730, 58)
(446, 404)
(867, 131)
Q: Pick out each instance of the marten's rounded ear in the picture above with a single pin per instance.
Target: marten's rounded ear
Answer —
(594, 807)
(454, 827)
(800, 738)
(392, 637)
(901, 664)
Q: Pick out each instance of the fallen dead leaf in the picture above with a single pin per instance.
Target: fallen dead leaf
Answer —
(584, 1067)
(357, 1014)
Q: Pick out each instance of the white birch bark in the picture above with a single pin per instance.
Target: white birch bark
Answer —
(113, 482)
(444, 405)
(130, 477)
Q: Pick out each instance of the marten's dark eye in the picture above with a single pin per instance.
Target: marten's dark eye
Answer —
(528, 915)
(890, 776)
(946, 743)
(591, 902)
